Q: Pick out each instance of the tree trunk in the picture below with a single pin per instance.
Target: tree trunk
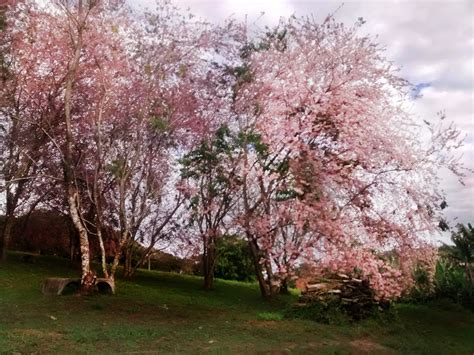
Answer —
(72, 242)
(102, 253)
(269, 279)
(86, 273)
(469, 273)
(284, 289)
(11, 204)
(6, 237)
(128, 270)
(264, 289)
(209, 258)
(208, 280)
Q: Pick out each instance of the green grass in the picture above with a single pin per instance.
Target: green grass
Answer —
(170, 313)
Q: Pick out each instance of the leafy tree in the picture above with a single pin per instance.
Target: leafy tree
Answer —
(211, 180)
(462, 252)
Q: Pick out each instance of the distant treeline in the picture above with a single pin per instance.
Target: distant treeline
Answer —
(46, 232)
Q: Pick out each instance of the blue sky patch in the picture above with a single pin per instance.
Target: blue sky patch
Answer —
(416, 90)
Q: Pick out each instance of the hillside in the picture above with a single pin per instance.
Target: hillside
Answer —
(169, 313)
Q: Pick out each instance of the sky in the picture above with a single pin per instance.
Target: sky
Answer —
(431, 41)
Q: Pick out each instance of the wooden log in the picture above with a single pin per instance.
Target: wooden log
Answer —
(316, 287)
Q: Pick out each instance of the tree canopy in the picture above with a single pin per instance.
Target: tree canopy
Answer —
(161, 128)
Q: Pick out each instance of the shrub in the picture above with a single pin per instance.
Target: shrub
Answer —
(234, 261)
(423, 289)
(452, 282)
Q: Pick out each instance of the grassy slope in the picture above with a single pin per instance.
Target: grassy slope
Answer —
(163, 313)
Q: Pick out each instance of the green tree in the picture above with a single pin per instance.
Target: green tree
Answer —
(462, 252)
(210, 173)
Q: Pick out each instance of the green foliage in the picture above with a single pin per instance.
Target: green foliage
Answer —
(117, 168)
(4, 64)
(159, 124)
(453, 277)
(423, 288)
(452, 282)
(207, 157)
(234, 260)
(462, 252)
(254, 140)
(454, 272)
(276, 38)
(2, 21)
(166, 262)
(286, 194)
(242, 75)
(206, 166)
(270, 316)
(182, 70)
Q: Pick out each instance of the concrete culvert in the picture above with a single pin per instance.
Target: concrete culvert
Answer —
(71, 288)
(62, 286)
(57, 285)
(105, 287)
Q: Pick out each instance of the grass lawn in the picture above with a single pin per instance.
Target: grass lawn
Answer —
(169, 313)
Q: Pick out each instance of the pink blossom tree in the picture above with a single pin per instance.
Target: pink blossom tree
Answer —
(326, 101)
(24, 117)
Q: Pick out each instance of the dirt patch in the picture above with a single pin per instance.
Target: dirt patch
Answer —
(38, 333)
(367, 346)
(265, 324)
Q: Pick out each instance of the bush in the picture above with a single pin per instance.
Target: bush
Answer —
(423, 289)
(234, 261)
(453, 277)
(452, 282)
(166, 262)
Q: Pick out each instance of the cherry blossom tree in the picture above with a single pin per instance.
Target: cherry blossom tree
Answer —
(334, 107)
(23, 119)
(179, 96)
(77, 50)
(121, 95)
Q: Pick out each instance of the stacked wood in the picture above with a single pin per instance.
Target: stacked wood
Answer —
(353, 294)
